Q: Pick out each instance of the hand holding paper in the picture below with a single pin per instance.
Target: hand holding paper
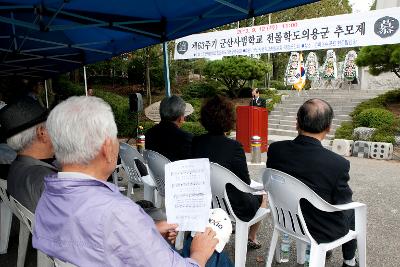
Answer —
(168, 231)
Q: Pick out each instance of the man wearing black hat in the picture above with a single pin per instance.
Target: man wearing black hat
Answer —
(23, 124)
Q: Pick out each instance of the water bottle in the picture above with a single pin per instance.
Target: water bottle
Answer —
(285, 248)
(307, 257)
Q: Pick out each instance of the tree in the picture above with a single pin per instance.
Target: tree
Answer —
(234, 72)
(145, 68)
(380, 58)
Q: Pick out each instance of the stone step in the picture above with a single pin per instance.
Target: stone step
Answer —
(293, 117)
(292, 126)
(294, 113)
(280, 107)
(360, 95)
(333, 105)
(327, 143)
(330, 101)
(282, 120)
(336, 92)
(292, 133)
(293, 122)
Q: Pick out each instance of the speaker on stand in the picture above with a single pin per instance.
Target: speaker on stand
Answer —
(136, 106)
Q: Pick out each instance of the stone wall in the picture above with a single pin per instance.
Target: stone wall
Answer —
(384, 81)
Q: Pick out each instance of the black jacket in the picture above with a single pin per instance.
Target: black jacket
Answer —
(170, 141)
(25, 181)
(325, 172)
(260, 102)
(229, 154)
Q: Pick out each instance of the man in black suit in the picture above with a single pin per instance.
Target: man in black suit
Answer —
(323, 171)
(257, 101)
(166, 137)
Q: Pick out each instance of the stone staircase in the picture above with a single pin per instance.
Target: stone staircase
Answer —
(282, 120)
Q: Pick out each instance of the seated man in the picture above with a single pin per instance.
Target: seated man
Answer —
(84, 220)
(166, 137)
(23, 125)
(322, 170)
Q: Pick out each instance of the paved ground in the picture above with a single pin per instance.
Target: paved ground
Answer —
(376, 183)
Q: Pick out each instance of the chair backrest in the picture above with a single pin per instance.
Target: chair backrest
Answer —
(285, 193)
(3, 192)
(60, 263)
(156, 163)
(219, 178)
(6, 199)
(26, 215)
(128, 155)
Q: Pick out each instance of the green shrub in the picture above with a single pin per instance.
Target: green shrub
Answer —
(195, 116)
(146, 125)
(194, 127)
(200, 89)
(345, 131)
(64, 88)
(375, 118)
(380, 101)
(279, 85)
(245, 92)
(274, 98)
(392, 96)
(377, 102)
(383, 135)
(126, 120)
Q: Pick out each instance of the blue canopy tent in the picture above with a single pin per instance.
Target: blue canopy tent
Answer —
(44, 38)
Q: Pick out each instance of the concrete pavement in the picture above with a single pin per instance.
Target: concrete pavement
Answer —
(375, 183)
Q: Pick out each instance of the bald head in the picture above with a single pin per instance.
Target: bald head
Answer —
(314, 116)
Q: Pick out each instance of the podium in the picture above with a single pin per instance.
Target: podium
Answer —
(251, 121)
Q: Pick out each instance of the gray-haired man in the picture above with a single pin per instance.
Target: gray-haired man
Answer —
(166, 137)
(23, 125)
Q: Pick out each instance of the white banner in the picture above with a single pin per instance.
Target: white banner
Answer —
(349, 30)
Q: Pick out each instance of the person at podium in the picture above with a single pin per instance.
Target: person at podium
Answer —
(256, 100)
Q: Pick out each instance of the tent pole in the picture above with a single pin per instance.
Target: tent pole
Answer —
(47, 97)
(166, 70)
(84, 77)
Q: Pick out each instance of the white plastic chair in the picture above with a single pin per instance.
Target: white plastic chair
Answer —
(128, 155)
(220, 177)
(115, 174)
(285, 193)
(5, 217)
(26, 224)
(156, 163)
(60, 263)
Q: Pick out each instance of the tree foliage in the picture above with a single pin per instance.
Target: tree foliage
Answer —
(380, 58)
(234, 72)
(137, 66)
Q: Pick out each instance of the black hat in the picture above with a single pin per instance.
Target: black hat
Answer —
(21, 115)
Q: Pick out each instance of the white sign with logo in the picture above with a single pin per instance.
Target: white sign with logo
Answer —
(349, 30)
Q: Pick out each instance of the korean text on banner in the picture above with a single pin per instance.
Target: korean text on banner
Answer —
(188, 193)
(350, 30)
